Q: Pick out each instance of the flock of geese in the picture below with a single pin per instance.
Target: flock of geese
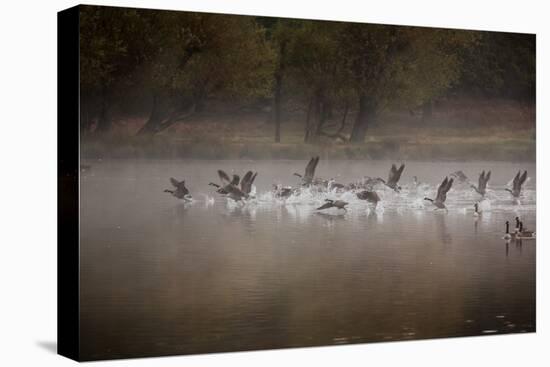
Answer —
(240, 190)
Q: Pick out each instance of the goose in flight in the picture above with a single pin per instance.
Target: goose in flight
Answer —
(393, 177)
(370, 196)
(333, 204)
(283, 192)
(180, 191)
(444, 187)
(230, 186)
(459, 176)
(247, 181)
(333, 185)
(519, 180)
(482, 183)
(307, 178)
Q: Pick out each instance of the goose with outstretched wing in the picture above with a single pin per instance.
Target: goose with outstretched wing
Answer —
(180, 190)
(369, 196)
(309, 175)
(247, 181)
(482, 183)
(393, 177)
(340, 204)
(444, 187)
(229, 187)
(519, 180)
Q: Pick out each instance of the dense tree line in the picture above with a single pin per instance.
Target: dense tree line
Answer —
(175, 63)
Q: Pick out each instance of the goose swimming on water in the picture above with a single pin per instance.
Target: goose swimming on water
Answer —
(507, 235)
(444, 187)
(524, 234)
(309, 174)
(482, 183)
(181, 192)
(333, 204)
(393, 177)
(519, 180)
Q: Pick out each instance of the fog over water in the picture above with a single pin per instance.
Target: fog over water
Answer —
(160, 276)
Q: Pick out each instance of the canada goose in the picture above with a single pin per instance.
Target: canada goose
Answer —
(369, 196)
(519, 180)
(307, 178)
(369, 182)
(283, 192)
(247, 181)
(477, 213)
(507, 235)
(229, 187)
(333, 185)
(460, 176)
(444, 187)
(524, 234)
(516, 230)
(333, 204)
(482, 183)
(393, 177)
(181, 192)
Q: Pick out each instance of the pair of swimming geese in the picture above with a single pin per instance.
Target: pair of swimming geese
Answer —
(520, 233)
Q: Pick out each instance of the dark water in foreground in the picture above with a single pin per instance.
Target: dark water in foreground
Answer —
(162, 277)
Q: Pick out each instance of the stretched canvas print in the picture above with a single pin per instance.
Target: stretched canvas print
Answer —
(232, 183)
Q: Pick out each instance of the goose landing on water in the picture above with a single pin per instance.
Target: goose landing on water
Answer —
(393, 177)
(519, 180)
(482, 183)
(444, 187)
(333, 204)
(181, 192)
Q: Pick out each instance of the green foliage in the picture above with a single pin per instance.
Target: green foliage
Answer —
(191, 58)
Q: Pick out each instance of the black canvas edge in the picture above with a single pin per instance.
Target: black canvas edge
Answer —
(68, 217)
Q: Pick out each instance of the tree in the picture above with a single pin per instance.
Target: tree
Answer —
(104, 60)
(199, 56)
(318, 69)
(403, 66)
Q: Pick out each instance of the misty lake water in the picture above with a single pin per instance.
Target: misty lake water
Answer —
(159, 276)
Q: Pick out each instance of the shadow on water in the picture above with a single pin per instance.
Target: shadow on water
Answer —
(50, 346)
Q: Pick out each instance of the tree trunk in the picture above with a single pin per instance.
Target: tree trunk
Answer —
(277, 100)
(160, 119)
(277, 107)
(154, 120)
(365, 116)
(308, 117)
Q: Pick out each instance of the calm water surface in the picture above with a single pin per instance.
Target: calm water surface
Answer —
(162, 277)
